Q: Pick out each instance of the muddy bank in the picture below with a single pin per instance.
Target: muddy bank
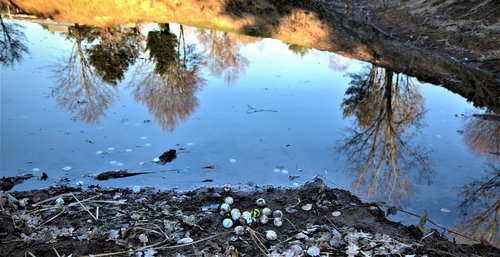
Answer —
(438, 43)
(316, 220)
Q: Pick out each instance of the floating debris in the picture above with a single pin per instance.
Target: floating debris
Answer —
(142, 138)
(67, 168)
(7, 183)
(119, 164)
(36, 170)
(44, 176)
(209, 167)
(113, 162)
(445, 210)
(232, 160)
(168, 156)
(276, 170)
(284, 171)
(190, 144)
(111, 148)
(128, 150)
(99, 152)
(79, 183)
(116, 174)
(147, 144)
(156, 160)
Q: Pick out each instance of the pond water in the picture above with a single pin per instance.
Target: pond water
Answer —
(239, 110)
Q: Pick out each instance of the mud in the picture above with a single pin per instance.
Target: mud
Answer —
(118, 222)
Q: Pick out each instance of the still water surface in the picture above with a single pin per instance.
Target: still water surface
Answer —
(257, 111)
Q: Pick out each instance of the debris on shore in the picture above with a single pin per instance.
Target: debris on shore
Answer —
(314, 220)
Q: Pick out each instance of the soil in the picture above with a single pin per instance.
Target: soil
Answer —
(66, 221)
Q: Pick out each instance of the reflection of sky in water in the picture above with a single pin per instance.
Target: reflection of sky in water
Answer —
(299, 137)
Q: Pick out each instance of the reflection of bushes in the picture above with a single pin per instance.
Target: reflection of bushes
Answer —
(388, 110)
(481, 206)
(162, 49)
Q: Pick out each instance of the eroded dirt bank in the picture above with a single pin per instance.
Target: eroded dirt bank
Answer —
(447, 42)
(316, 221)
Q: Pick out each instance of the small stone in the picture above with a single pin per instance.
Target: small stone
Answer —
(60, 201)
(232, 160)
(136, 189)
(227, 188)
(239, 230)
(36, 170)
(278, 214)
(113, 162)
(186, 240)
(227, 223)
(229, 200)
(284, 171)
(264, 219)
(147, 144)
(313, 251)
(336, 213)
(307, 207)
(235, 215)
(261, 202)
(128, 150)
(111, 148)
(276, 170)
(67, 168)
(98, 152)
(156, 160)
(225, 208)
(266, 211)
(246, 215)
(271, 235)
(278, 222)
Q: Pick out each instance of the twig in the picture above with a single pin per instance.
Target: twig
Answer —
(159, 247)
(32, 255)
(56, 252)
(439, 226)
(85, 208)
(52, 198)
(253, 110)
(255, 238)
(51, 219)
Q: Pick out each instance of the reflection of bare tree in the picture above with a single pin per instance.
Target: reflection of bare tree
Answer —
(78, 88)
(388, 110)
(168, 82)
(98, 61)
(481, 206)
(482, 134)
(222, 53)
(12, 47)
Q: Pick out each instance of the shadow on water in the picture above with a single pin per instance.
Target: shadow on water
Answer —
(12, 43)
(168, 81)
(388, 112)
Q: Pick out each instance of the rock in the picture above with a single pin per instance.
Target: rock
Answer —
(271, 235)
(313, 251)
